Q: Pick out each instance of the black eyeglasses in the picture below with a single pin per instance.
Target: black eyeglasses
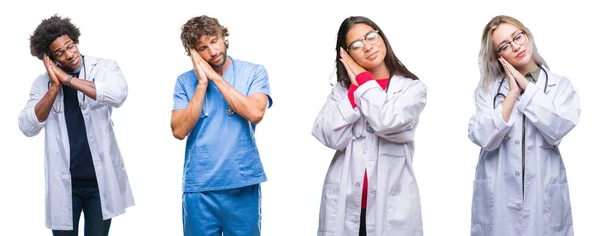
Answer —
(519, 39)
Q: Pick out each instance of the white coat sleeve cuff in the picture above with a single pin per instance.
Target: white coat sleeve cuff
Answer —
(499, 122)
(362, 89)
(530, 91)
(349, 114)
(33, 118)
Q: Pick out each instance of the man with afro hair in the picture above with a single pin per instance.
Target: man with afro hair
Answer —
(73, 101)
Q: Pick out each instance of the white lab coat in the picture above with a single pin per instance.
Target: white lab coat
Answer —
(393, 201)
(111, 91)
(500, 206)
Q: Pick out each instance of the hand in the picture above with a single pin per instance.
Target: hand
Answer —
(49, 64)
(352, 68)
(196, 58)
(510, 71)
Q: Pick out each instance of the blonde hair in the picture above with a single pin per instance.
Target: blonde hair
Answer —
(489, 66)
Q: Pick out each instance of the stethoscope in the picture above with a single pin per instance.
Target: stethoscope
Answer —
(367, 126)
(60, 108)
(504, 78)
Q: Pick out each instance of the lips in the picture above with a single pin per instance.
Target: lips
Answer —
(372, 55)
(521, 54)
(217, 59)
(74, 61)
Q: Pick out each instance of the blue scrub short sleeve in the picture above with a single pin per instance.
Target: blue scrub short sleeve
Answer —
(260, 83)
(180, 98)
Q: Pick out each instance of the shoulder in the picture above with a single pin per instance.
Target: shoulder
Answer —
(42, 79)
(403, 82)
(248, 67)
(187, 78)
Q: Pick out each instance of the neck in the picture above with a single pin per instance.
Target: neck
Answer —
(527, 68)
(220, 70)
(380, 72)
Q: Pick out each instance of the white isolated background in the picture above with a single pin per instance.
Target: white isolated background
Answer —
(295, 41)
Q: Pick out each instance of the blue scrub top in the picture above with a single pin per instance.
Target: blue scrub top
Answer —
(221, 151)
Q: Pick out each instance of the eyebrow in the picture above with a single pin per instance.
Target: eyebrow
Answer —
(512, 36)
(66, 43)
(360, 39)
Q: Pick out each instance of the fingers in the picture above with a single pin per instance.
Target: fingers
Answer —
(343, 59)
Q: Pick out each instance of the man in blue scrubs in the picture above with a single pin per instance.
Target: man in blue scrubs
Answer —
(217, 105)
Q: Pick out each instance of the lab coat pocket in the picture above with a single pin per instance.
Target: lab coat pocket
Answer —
(329, 206)
(483, 202)
(404, 215)
(391, 149)
(557, 209)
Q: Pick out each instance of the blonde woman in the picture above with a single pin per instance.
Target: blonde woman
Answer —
(523, 110)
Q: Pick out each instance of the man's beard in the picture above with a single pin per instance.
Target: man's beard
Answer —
(223, 57)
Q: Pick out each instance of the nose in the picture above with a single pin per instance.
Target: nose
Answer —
(212, 50)
(515, 46)
(367, 46)
(69, 55)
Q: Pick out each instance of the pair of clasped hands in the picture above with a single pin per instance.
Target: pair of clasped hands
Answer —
(56, 74)
(203, 70)
(352, 68)
(516, 81)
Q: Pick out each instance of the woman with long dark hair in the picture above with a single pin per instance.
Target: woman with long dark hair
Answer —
(370, 120)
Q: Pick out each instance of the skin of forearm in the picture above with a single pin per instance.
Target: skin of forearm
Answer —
(44, 105)
(507, 105)
(86, 87)
(183, 121)
(246, 107)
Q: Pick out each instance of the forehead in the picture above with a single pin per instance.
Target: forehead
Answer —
(504, 32)
(357, 31)
(206, 39)
(60, 41)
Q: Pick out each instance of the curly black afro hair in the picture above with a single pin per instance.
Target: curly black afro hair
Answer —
(48, 31)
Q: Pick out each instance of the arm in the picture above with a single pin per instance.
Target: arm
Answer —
(553, 117)
(183, 121)
(253, 106)
(186, 113)
(33, 117)
(390, 118)
(108, 89)
(487, 128)
(333, 126)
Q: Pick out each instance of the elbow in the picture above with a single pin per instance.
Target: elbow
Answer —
(177, 133)
(256, 117)
(112, 97)
(120, 98)
(29, 130)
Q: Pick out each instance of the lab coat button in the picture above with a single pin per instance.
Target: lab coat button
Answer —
(517, 142)
(365, 151)
(357, 184)
(517, 174)
(519, 206)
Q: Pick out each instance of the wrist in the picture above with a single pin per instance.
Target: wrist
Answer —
(54, 88)
(202, 84)
(514, 92)
(68, 80)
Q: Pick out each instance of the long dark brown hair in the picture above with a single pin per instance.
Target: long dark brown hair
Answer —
(391, 61)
